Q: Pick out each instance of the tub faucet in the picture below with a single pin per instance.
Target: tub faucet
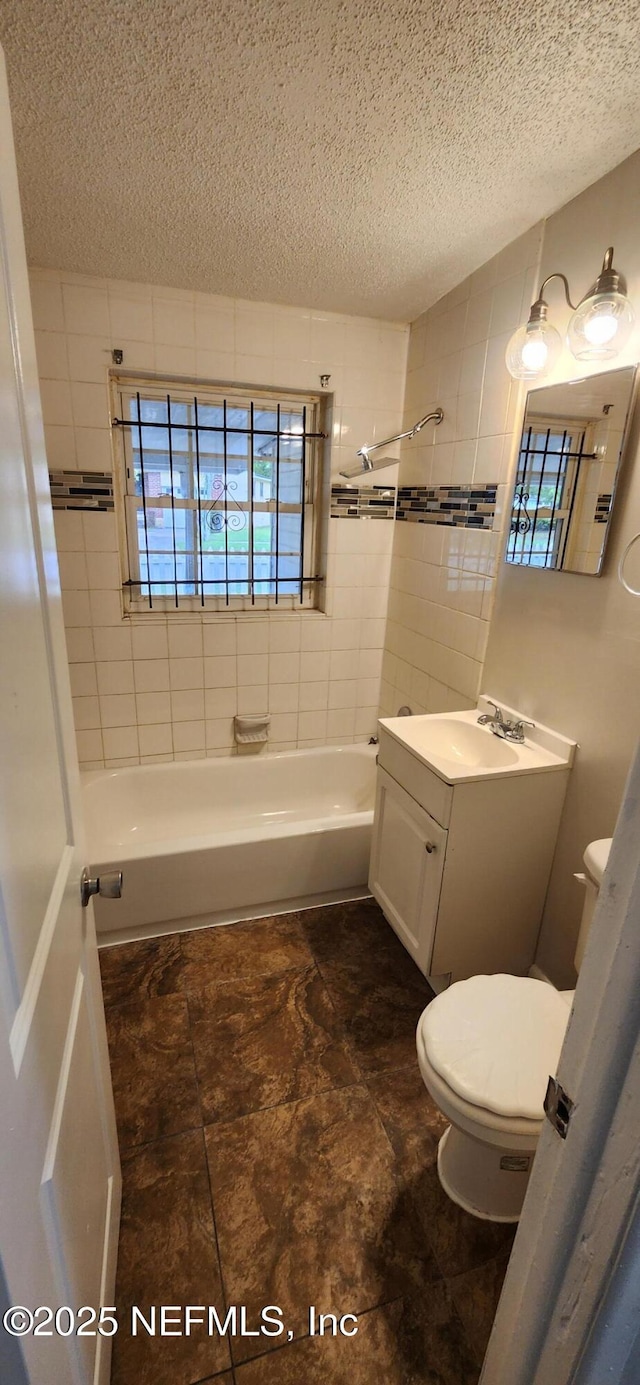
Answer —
(502, 727)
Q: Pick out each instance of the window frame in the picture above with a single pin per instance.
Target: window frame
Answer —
(123, 387)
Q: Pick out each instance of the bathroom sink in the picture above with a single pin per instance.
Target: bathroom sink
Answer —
(457, 748)
(464, 743)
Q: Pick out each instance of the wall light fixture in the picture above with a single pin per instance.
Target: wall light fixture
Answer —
(598, 329)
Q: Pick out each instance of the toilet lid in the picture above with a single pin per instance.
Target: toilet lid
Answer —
(496, 1040)
(596, 857)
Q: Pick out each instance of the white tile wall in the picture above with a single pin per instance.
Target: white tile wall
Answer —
(578, 669)
(442, 579)
(151, 687)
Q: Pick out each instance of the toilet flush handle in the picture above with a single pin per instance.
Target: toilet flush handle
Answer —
(429, 847)
(586, 881)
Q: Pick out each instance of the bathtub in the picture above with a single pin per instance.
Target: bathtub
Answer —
(214, 841)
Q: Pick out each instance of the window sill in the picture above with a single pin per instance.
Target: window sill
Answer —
(221, 617)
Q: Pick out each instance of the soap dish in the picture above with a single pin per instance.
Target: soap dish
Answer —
(249, 730)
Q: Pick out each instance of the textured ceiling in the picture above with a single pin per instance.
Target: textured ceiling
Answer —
(357, 155)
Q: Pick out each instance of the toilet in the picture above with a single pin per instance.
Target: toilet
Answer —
(486, 1048)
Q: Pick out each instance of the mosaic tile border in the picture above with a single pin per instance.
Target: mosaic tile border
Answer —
(603, 508)
(468, 507)
(363, 502)
(81, 490)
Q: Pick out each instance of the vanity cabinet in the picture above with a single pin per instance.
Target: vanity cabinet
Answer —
(461, 870)
(407, 861)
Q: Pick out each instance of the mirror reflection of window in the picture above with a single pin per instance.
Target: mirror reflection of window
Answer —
(568, 462)
(548, 469)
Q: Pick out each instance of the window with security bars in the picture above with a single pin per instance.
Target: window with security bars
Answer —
(219, 491)
(549, 462)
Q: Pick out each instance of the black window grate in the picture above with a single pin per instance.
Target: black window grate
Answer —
(544, 495)
(219, 495)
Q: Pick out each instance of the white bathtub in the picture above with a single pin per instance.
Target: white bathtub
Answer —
(213, 841)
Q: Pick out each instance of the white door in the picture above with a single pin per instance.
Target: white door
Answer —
(59, 1169)
(407, 861)
(570, 1307)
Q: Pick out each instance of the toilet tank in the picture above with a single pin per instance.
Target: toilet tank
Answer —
(595, 859)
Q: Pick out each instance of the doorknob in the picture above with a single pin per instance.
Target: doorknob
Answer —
(108, 885)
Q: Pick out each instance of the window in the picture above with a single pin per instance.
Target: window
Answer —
(548, 467)
(219, 496)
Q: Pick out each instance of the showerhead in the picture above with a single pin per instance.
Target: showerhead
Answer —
(366, 464)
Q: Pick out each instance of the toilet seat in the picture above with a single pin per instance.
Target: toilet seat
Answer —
(491, 1043)
(503, 1132)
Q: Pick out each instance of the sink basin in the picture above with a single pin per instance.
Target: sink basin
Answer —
(458, 749)
(464, 743)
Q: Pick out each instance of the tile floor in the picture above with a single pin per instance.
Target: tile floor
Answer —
(278, 1147)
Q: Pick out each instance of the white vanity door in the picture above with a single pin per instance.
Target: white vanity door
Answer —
(407, 861)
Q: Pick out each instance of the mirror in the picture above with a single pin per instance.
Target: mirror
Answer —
(570, 450)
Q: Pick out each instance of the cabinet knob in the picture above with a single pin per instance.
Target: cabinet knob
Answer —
(108, 885)
(429, 847)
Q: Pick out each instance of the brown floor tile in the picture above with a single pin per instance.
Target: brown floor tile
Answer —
(431, 1341)
(309, 1211)
(167, 1256)
(260, 947)
(419, 1342)
(135, 971)
(459, 1241)
(265, 1040)
(410, 1117)
(345, 933)
(331, 1198)
(154, 1079)
(376, 988)
(476, 1296)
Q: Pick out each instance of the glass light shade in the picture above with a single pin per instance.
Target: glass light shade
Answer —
(600, 326)
(533, 350)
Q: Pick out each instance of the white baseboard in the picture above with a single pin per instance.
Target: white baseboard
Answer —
(186, 925)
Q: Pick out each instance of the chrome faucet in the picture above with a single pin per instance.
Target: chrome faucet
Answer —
(502, 727)
(495, 722)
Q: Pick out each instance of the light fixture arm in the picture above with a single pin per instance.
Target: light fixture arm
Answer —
(556, 275)
(598, 328)
(608, 281)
